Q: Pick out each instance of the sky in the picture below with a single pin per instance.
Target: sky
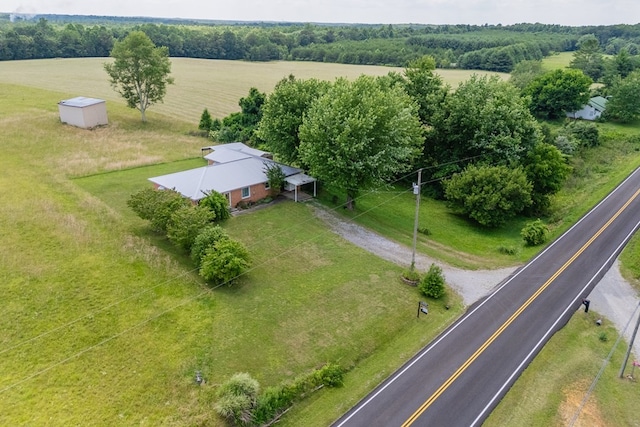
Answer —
(505, 12)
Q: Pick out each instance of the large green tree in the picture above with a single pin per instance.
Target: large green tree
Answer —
(486, 120)
(556, 92)
(360, 134)
(624, 104)
(140, 71)
(489, 194)
(282, 115)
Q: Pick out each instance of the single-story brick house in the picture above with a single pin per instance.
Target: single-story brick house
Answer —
(235, 170)
(593, 110)
(83, 112)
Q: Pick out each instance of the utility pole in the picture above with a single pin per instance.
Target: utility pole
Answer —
(416, 191)
(633, 337)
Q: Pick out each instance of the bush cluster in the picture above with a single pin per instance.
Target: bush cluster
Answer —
(239, 402)
(192, 228)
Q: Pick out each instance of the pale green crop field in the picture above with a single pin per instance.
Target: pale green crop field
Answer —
(199, 83)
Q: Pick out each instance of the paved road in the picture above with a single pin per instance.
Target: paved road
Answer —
(459, 378)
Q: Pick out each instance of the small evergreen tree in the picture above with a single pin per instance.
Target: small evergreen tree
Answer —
(206, 122)
(433, 283)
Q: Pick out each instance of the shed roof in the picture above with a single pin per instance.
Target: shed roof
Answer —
(81, 102)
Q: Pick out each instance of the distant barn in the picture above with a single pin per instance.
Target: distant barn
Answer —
(83, 112)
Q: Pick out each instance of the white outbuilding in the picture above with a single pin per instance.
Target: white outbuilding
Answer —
(83, 112)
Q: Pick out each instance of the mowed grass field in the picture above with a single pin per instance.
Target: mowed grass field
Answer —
(199, 83)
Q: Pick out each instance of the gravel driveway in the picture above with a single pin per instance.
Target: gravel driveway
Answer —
(613, 297)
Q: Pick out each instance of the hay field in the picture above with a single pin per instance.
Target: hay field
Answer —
(199, 83)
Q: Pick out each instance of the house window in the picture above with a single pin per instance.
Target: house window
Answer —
(245, 192)
(267, 185)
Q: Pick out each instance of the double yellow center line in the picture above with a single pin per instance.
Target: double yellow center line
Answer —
(511, 319)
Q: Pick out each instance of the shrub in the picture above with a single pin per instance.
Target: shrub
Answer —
(156, 206)
(224, 261)
(534, 233)
(566, 144)
(586, 133)
(425, 231)
(331, 375)
(433, 283)
(206, 239)
(186, 223)
(508, 250)
(218, 204)
(275, 400)
(237, 399)
(489, 194)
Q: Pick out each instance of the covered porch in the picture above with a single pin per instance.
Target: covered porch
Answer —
(293, 186)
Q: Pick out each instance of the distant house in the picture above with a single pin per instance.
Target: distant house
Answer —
(593, 110)
(235, 170)
(83, 112)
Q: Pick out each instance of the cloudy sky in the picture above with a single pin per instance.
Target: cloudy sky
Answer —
(565, 12)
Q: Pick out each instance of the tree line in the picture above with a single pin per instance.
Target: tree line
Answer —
(493, 48)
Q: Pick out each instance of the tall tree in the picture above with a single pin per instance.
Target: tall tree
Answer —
(282, 115)
(425, 87)
(546, 169)
(558, 91)
(525, 72)
(588, 57)
(485, 119)
(360, 134)
(624, 104)
(140, 71)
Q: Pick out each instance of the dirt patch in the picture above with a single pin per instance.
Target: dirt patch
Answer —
(587, 415)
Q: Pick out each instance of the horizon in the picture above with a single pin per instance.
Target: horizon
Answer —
(576, 13)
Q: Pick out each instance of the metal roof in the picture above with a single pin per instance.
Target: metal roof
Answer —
(221, 177)
(81, 101)
(598, 102)
(300, 179)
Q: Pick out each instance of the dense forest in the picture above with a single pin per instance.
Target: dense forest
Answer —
(485, 47)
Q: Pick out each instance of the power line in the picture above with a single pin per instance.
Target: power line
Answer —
(144, 322)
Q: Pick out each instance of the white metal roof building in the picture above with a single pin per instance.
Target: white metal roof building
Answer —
(235, 166)
(83, 112)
